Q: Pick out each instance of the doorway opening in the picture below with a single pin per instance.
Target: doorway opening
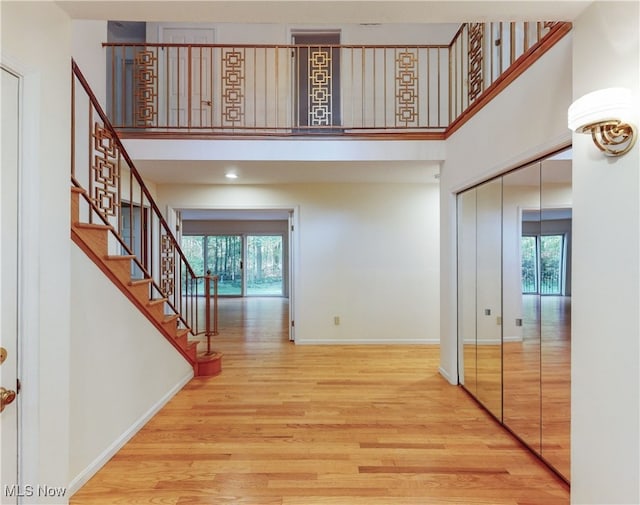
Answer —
(250, 250)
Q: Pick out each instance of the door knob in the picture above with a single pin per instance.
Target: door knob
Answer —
(6, 397)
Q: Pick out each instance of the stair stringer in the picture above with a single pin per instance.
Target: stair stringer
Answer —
(92, 240)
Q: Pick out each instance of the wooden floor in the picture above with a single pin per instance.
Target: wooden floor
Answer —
(305, 425)
(537, 380)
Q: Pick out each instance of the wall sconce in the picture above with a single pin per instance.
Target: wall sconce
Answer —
(610, 116)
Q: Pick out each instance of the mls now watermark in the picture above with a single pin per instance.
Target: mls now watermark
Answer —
(29, 491)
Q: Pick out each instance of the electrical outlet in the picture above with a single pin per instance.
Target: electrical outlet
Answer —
(336, 320)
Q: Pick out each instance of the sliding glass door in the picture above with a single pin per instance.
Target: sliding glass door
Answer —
(246, 264)
(264, 265)
(224, 259)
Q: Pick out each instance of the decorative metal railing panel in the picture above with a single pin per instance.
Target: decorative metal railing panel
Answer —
(233, 81)
(320, 87)
(104, 180)
(146, 82)
(407, 78)
(115, 195)
(302, 89)
(481, 53)
(476, 81)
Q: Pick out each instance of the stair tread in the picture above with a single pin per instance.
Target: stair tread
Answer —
(93, 226)
(139, 282)
(96, 245)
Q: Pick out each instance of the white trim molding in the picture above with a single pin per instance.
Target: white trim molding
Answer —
(352, 341)
(28, 270)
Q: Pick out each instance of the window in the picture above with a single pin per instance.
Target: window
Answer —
(193, 248)
(529, 248)
(543, 264)
(224, 259)
(551, 264)
(246, 265)
(264, 265)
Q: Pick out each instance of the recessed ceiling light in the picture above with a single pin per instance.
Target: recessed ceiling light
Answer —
(231, 175)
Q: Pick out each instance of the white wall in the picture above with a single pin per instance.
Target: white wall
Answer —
(605, 458)
(121, 372)
(356, 34)
(525, 121)
(28, 28)
(88, 53)
(204, 227)
(367, 253)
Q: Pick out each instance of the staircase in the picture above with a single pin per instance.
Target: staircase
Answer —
(92, 239)
(157, 278)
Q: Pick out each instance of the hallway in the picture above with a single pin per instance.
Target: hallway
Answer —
(304, 425)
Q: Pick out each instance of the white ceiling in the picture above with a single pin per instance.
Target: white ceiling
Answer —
(288, 172)
(323, 11)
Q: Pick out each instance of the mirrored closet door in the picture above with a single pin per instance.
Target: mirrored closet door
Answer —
(521, 332)
(514, 302)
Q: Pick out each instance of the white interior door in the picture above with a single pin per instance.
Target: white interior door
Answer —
(190, 76)
(9, 281)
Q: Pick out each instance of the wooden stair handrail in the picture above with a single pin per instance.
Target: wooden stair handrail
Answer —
(126, 247)
(149, 203)
(132, 167)
(131, 256)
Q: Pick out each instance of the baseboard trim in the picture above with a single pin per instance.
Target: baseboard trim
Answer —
(83, 477)
(493, 341)
(448, 377)
(346, 341)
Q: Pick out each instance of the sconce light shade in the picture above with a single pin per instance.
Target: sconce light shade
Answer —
(609, 115)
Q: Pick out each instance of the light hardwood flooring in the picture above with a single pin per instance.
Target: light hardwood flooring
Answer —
(537, 380)
(288, 424)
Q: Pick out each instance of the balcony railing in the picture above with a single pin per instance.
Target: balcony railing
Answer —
(482, 53)
(311, 89)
